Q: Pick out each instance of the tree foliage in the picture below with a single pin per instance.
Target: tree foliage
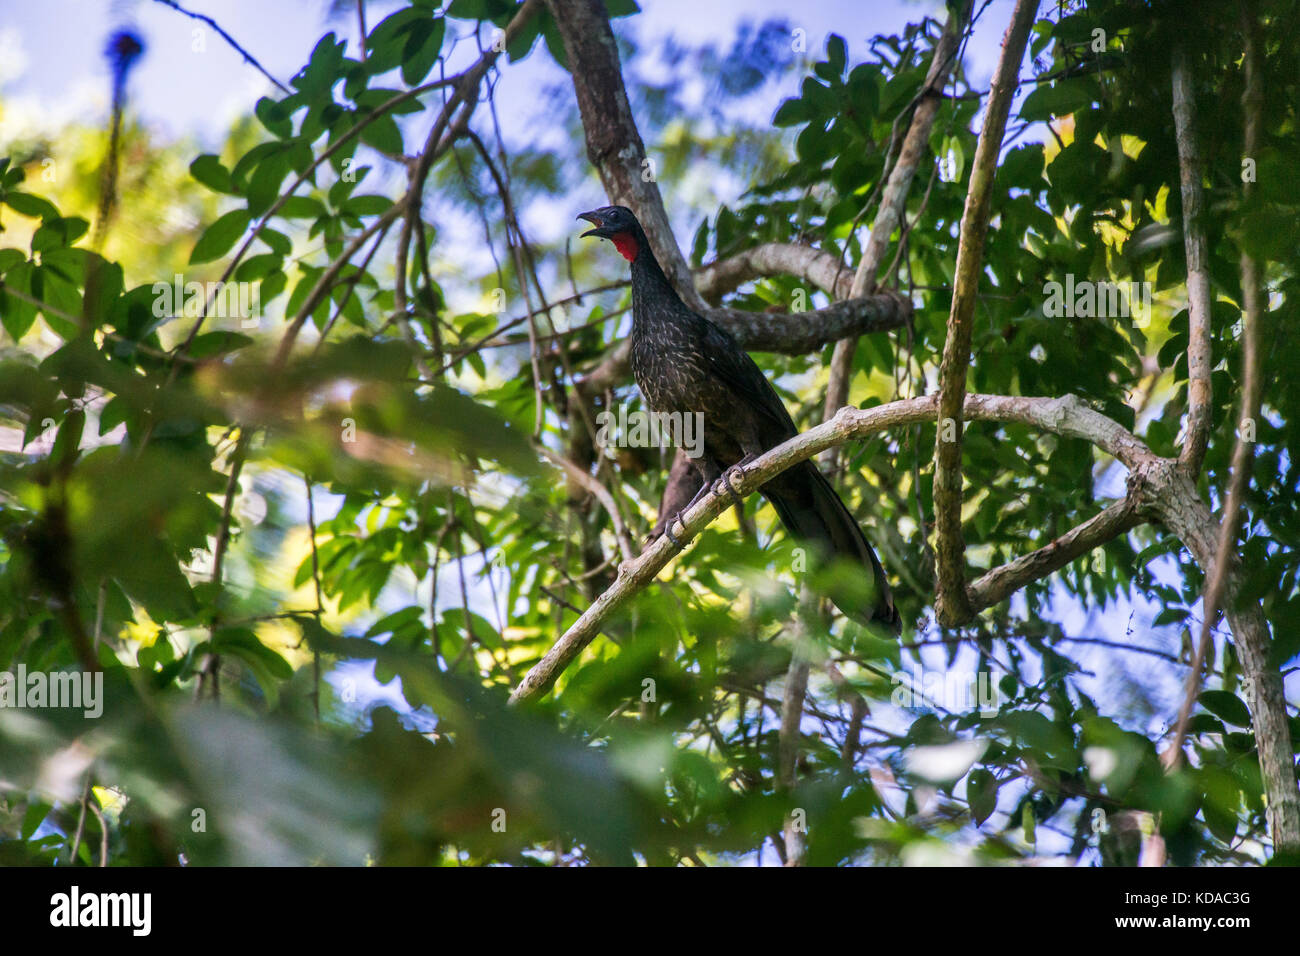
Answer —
(272, 513)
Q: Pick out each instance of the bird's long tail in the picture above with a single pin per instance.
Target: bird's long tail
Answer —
(812, 512)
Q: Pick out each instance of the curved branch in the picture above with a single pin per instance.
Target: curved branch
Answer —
(799, 333)
(816, 266)
(951, 603)
(999, 584)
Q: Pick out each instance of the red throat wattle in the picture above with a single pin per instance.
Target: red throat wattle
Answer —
(626, 245)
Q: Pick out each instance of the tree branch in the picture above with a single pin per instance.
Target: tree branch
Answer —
(1243, 452)
(614, 143)
(1064, 416)
(999, 584)
(951, 604)
(816, 266)
(1167, 490)
(785, 334)
(1196, 250)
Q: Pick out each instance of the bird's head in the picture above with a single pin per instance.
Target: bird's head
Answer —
(617, 224)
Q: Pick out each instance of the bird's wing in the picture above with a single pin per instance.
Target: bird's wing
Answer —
(734, 367)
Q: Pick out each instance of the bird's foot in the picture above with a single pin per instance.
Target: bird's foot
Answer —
(725, 483)
(666, 530)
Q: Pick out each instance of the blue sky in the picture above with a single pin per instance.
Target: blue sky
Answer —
(182, 91)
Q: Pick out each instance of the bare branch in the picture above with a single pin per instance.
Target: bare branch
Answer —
(248, 57)
(774, 258)
(1000, 583)
(952, 605)
(1196, 250)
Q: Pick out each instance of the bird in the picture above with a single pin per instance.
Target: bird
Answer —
(684, 363)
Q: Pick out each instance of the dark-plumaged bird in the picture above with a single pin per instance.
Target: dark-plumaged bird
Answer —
(684, 363)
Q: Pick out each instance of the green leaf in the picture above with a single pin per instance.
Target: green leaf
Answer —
(301, 207)
(276, 241)
(243, 643)
(836, 53)
(264, 185)
(1060, 99)
(386, 43)
(220, 236)
(479, 9)
(421, 50)
(17, 315)
(258, 267)
(274, 117)
(369, 204)
(209, 170)
(1227, 706)
(272, 286)
(33, 817)
(981, 794)
(791, 113)
(10, 258)
(59, 232)
(210, 344)
(29, 205)
(384, 136)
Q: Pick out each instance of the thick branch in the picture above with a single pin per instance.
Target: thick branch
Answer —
(799, 333)
(614, 143)
(1196, 250)
(816, 266)
(1167, 491)
(951, 603)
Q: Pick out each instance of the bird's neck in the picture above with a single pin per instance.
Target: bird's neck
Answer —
(648, 279)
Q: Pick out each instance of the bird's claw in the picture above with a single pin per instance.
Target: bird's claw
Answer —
(725, 483)
(668, 529)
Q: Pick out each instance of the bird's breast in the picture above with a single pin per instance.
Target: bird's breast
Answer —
(669, 371)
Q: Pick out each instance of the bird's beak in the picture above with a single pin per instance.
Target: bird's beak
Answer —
(595, 220)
